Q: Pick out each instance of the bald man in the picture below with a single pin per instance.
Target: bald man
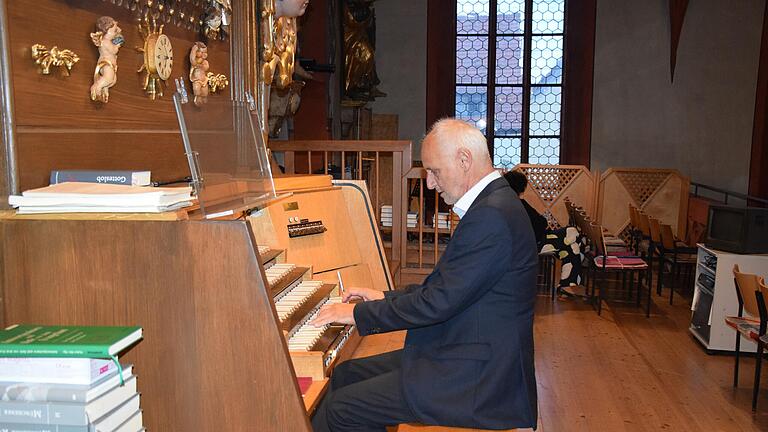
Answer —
(468, 355)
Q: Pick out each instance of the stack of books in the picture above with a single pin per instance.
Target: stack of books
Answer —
(446, 220)
(386, 217)
(75, 197)
(50, 382)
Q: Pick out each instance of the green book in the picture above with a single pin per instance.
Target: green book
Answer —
(30, 340)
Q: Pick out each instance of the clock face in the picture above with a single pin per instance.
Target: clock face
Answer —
(163, 57)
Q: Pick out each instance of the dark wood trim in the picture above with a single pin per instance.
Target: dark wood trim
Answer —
(441, 60)
(525, 130)
(578, 82)
(311, 121)
(490, 87)
(758, 170)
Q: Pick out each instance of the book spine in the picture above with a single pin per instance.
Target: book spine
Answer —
(106, 177)
(18, 427)
(43, 413)
(86, 351)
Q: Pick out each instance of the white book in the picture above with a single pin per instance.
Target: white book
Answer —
(49, 370)
(133, 424)
(118, 416)
(67, 413)
(95, 194)
(47, 392)
(101, 209)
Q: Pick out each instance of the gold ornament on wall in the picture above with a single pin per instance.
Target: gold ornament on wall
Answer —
(217, 82)
(158, 58)
(54, 57)
(108, 37)
(198, 69)
(278, 33)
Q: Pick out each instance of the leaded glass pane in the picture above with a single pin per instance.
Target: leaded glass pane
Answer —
(544, 151)
(471, 60)
(548, 16)
(509, 111)
(510, 16)
(506, 152)
(471, 105)
(472, 16)
(509, 60)
(545, 111)
(547, 60)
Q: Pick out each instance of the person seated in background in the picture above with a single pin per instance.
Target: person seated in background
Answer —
(566, 242)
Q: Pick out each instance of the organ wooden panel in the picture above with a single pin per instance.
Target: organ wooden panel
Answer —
(212, 357)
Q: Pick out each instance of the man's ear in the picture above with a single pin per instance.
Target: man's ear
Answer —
(465, 158)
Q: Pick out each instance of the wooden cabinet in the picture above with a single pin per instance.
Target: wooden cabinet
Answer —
(711, 304)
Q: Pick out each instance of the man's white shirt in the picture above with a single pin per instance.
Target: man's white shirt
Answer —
(462, 205)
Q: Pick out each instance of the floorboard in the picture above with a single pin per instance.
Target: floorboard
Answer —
(624, 372)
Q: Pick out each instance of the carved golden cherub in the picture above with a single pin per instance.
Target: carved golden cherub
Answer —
(53, 57)
(198, 70)
(108, 37)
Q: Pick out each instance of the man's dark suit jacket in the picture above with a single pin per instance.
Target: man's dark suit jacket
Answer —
(468, 356)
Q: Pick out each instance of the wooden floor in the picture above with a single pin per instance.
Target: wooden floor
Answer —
(625, 372)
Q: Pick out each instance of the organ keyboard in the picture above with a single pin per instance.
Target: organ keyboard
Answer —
(297, 299)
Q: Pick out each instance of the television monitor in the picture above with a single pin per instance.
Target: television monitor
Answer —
(741, 230)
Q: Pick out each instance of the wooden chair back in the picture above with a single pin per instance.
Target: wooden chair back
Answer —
(667, 237)
(582, 222)
(633, 216)
(747, 284)
(655, 230)
(595, 231)
(644, 224)
(763, 290)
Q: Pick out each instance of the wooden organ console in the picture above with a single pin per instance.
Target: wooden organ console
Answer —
(223, 303)
(222, 300)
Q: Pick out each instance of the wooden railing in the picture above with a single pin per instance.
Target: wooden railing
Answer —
(431, 224)
(382, 164)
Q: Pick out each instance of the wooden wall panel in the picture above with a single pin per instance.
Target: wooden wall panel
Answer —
(39, 153)
(54, 115)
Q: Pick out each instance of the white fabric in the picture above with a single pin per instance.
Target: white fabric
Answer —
(466, 200)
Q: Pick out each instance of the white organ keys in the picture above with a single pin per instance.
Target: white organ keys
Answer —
(306, 336)
(296, 297)
(277, 272)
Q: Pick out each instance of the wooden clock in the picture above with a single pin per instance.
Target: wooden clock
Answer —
(158, 59)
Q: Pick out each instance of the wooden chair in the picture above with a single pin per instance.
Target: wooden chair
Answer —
(634, 229)
(752, 327)
(604, 263)
(677, 254)
(654, 246)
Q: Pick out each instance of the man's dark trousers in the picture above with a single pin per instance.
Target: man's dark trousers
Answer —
(365, 395)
